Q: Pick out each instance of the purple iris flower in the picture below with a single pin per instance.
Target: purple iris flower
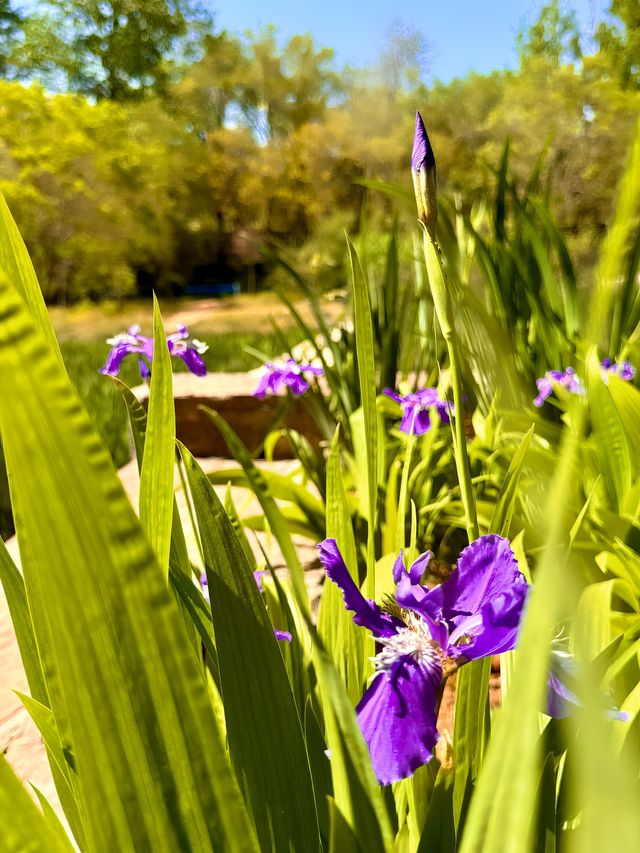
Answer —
(423, 635)
(565, 378)
(257, 576)
(561, 699)
(132, 342)
(416, 409)
(622, 369)
(568, 379)
(289, 374)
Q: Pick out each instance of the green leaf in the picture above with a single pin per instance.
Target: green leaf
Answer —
(53, 820)
(609, 436)
(17, 266)
(280, 486)
(46, 724)
(156, 476)
(342, 838)
(471, 727)
(390, 345)
(626, 399)
(13, 586)
(264, 729)
(125, 687)
(439, 835)
(14, 589)
(343, 640)
(24, 829)
(501, 813)
(271, 511)
(199, 613)
(356, 793)
(505, 505)
(546, 828)
(179, 555)
(367, 376)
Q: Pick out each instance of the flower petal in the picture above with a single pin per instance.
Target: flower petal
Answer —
(194, 361)
(493, 629)
(393, 394)
(545, 387)
(367, 613)
(422, 422)
(297, 383)
(257, 576)
(145, 370)
(114, 359)
(282, 635)
(312, 369)
(561, 700)
(418, 567)
(263, 384)
(445, 410)
(487, 568)
(408, 417)
(397, 716)
(414, 596)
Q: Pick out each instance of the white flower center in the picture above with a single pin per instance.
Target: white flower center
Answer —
(124, 338)
(415, 640)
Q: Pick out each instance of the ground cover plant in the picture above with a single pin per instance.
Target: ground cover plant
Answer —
(176, 718)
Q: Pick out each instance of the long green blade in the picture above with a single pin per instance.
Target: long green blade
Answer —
(271, 511)
(151, 768)
(264, 729)
(24, 829)
(156, 476)
(367, 376)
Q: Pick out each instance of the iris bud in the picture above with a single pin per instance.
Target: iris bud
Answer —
(423, 170)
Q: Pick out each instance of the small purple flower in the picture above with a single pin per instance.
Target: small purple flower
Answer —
(568, 379)
(132, 342)
(561, 699)
(290, 374)
(565, 378)
(622, 369)
(285, 636)
(416, 409)
(424, 635)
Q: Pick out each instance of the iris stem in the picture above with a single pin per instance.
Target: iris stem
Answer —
(444, 312)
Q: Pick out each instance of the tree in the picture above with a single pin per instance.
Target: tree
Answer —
(11, 22)
(116, 49)
(403, 59)
(284, 89)
(211, 85)
(554, 37)
(619, 41)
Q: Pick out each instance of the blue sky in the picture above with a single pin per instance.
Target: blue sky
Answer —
(464, 35)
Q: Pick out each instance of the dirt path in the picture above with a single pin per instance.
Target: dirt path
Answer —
(202, 316)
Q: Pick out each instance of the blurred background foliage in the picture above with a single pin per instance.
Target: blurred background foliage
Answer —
(141, 148)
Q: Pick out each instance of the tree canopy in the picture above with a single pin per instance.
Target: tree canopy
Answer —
(143, 146)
